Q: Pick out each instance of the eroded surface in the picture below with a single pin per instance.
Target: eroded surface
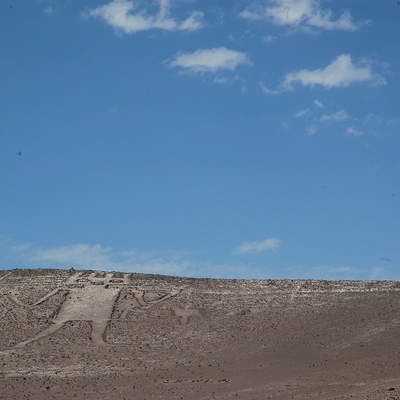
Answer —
(92, 335)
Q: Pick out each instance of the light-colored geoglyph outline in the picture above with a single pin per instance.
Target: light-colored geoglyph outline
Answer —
(77, 287)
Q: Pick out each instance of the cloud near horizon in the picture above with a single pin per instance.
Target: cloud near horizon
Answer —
(257, 247)
(88, 256)
(377, 272)
(99, 257)
(210, 60)
(119, 14)
(96, 256)
(300, 15)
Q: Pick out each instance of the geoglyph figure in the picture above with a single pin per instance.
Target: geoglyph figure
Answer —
(92, 298)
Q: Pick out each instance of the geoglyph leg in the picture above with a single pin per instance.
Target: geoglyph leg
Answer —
(47, 332)
(98, 332)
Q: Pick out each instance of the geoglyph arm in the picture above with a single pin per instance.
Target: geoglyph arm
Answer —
(167, 296)
(13, 297)
(47, 296)
(71, 280)
(139, 295)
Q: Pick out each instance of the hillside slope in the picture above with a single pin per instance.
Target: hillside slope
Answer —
(93, 335)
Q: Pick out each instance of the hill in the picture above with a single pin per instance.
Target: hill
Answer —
(94, 335)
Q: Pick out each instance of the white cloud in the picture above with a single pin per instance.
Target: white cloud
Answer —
(354, 132)
(119, 14)
(301, 113)
(300, 14)
(318, 103)
(257, 247)
(210, 60)
(341, 115)
(340, 73)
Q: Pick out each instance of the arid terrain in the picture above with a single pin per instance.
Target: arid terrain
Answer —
(94, 335)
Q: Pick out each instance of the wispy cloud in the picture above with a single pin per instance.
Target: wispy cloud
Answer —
(178, 263)
(333, 269)
(317, 103)
(48, 10)
(21, 247)
(340, 115)
(301, 113)
(350, 131)
(225, 79)
(316, 117)
(334, 272)
(265, 89)
(257, 247)
(210, 60)
(316, 120)
(311, 130)
(77, 254)
(300, 15)
(269, 38)
(341, 72)
(97, 256)
(376, 272)
(126, 17)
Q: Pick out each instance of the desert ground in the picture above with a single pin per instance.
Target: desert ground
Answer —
(67, 334)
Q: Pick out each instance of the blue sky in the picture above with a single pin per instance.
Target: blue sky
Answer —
(246, 139)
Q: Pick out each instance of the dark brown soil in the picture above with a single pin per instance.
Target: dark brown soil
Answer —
(136, 337)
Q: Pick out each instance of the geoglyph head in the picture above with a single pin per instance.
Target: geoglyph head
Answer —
(106, 279)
